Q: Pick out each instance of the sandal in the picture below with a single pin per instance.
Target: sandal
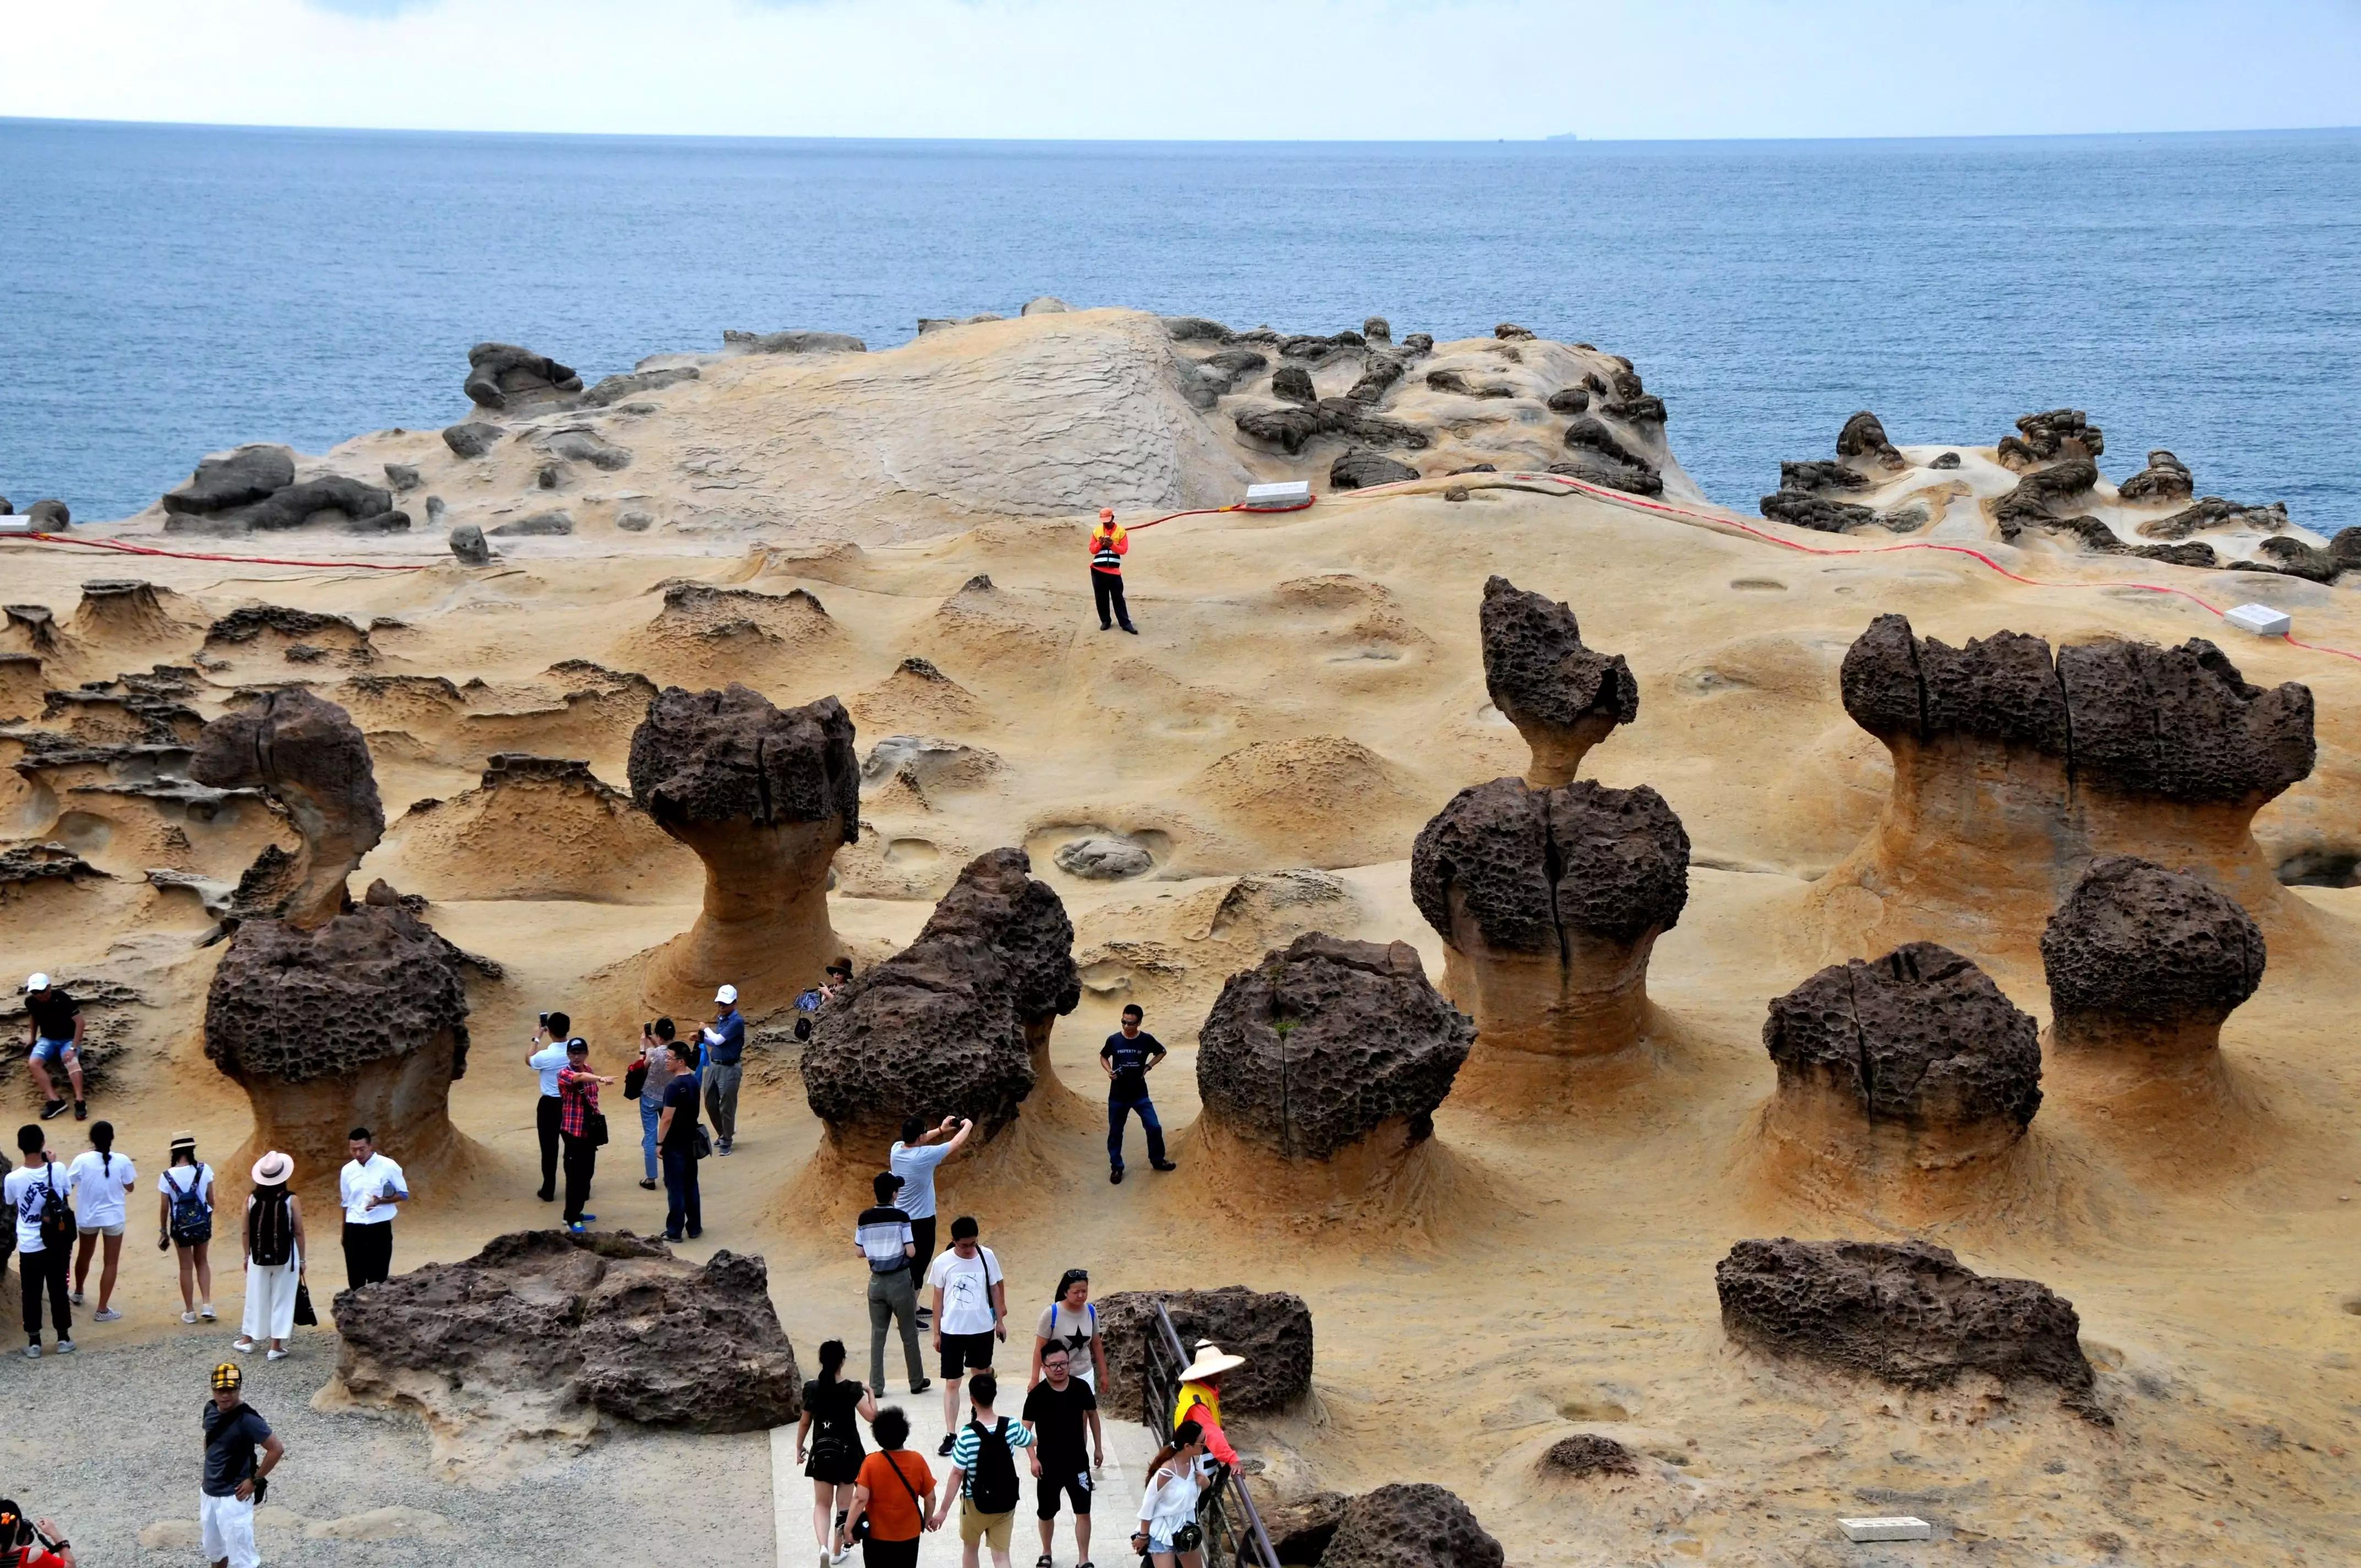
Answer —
(1043, 1562)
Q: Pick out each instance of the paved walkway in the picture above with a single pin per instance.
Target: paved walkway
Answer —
(1129, 1447)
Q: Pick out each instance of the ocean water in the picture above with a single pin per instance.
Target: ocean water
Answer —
(170, 290)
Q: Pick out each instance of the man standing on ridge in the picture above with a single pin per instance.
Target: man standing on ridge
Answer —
(1109, 545)
(1126, 1058)
(725, 1054)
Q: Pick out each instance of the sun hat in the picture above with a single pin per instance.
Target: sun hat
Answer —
(726, 994)
(272, 1168)
(1212, 1362)
(38, 982)
(184, 1140)
(228, 1376)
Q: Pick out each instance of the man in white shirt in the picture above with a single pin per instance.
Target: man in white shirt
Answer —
(914, 1160)
(99, 1180)
(971, 1312)
(546, 1060)
(369, 1186)
(38, 1180)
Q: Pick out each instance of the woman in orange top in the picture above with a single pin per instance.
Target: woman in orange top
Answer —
(1199, 1399)
(897, 1491)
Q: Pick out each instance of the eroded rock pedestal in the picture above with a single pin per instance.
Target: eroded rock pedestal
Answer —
(764, 796)
(308, 755)
(1410, 1524)
(541, 1334)
(1548, 903)
(1272, 1329)
(1562, 697)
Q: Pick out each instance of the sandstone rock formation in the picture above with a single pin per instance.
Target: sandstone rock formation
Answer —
(501, 374)
(1916, 1060)
(469, 546)
(1411, 1525)
(471, 439)
(1863, 438)
(308, 755)
(956, 1024)
(2047, 437)
(1548, 903)
(2148, 963)
(1271, 1328)
(1801, 509)
(764, 797)
(791, 343)
(1359, 470)
(1904, 1313)
(2166, 478)
(2014, 768)
(1562, 697)
(2043, 499)
(1600, 458)
(360, 1020)
(2316, 563)
(542, 1334)
(1327, 1044)
(254, 488)
(1588, 1454)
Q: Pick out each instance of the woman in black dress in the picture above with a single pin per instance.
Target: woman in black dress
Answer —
(829, 1442)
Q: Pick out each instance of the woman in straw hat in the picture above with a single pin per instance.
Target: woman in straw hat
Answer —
(274, 1255)
(1200, 1399)
(184, 1220)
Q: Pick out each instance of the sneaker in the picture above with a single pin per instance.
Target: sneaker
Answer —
(188, 1317)
(82, 1110)
(52, 1109)
(1164, 1165)
(107, 1315)
(75, 1297)
(588, 1218)
(1116, 1176)
(647, 1187)
(922, 1384)
(33, 1351)
(207, 1311)
(949, 1441)
(576, 1227)
(669, 1237)
(243, 1345)
(275, 1356)
(65, 1347)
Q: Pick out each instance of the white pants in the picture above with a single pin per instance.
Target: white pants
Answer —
(228, 1528)
(270, 1301)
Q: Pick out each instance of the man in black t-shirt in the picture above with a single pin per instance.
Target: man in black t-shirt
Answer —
(1056, 1411)
(677, 1145)
(233, 1479)
(53, 1040)
(1128, 1058)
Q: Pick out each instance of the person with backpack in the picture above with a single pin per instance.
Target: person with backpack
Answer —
(100, 1179)
(39, 1197)
(983, 1473)
(1168, 1531)
(184, 1222)
(275, 1251)
(644, 1082)
(893, 1495)
(25, 1544)
(828, 1439)
(235, 1480)
(1072, 1321)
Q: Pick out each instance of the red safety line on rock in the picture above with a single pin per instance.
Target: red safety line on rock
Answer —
(126, 547)
(1215, 511)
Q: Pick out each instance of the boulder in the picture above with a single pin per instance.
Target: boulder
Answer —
(1288, 428)
(1411, 1525)
(1376, 329)
(1815, 475)
(472, 439)
(1566, 400)
(1379, 370)
(403, 476)
(1299, 1531)
(764, 796)
(307, 754)
(1046, 305)
(1196, 329)
(2214, 512)
(1598, 468)
(1418, 343)
(2050, 438)
(613, 389)
(1102, 859)
(254, 488)
(1588, 1454)
(544, 1333)
(1272, 1329)
(2147, 961)
(467, 543)
(1509, 332)
(1326, 1043)
(1947, 461)
(235, 478)
(1801, 509)
(1863, 439)
(537, 525)
(2319, 563)
(581, 444)
(1359, 470)
(956, 1024)
(1562, 697)
(48, 515)
(1292, 384)
(501, 374)
(1904, 1313)
(2164, 480)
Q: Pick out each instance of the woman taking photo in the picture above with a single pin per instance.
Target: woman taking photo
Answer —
(184, 1220)
(274, 1256)
(834, 1448)
(654, 1070)
(1169, 1530)
(896, 1494)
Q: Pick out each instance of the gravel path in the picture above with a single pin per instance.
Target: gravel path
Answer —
(108, 1444)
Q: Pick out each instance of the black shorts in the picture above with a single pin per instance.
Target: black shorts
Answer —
(963, 1353)
(1075, 1483)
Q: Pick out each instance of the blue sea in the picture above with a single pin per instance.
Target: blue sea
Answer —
(167, 291)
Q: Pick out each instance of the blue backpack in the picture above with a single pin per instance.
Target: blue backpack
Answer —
(193, 1217)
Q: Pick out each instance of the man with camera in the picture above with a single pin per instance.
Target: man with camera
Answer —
(26, 1544)
(548, 1058)
(234, 1481)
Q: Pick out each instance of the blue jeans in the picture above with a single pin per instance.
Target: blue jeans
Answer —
(1118, 1114)
(651, 1113)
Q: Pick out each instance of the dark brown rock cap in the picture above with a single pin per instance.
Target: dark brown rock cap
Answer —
(2180, 722)
(1410, 1524)
(294, 742)
(1537, 670)
(1327, 1040)
(1532, 866)
(1907, 1312)
(1272, 1329)
(997, 902)
(1921, 1035)
(2138, 942)
(730, 755)
(1863, 436)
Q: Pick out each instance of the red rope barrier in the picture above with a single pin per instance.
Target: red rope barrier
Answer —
(127, 548)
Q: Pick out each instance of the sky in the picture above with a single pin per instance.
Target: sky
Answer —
(1253, 69)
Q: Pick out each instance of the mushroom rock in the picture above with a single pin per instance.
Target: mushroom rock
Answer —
(2166, 478)
(1300, 1531)
(1411, 1525)
(234, 478)
(2295, 558)
(1562, 697)
(1914, 1061)
(1588, 1454)
(1271, 1330)
(1864, 437)
(1327, 1059)
(956, 1024)
(544, 1335)
(359, 1021)
(307, 754)
(2146, 963)
(764, 796)
(1905, 1313)
(1548, 903)
(2014, 768)
(500, 373)
(2047, 437)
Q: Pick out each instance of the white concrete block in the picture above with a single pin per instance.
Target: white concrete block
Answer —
(2261, 620)
(1277, 497)
(14, 523)
(1901, 1527)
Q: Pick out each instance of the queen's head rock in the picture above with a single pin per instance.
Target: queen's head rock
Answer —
(307, 754)
(1562, 697)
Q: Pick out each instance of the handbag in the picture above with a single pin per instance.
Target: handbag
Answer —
(305, 1317)
(635, 1079)
(594, 1124)
(703, 1148)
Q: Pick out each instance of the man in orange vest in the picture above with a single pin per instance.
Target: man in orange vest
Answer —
(1109, 545)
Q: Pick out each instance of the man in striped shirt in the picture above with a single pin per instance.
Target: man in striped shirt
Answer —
(883, 1235)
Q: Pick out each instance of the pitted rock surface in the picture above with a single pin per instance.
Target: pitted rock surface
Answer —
(605, 1320)
(1271, 1328)
(730, 755)
(1324, 1041)
(1622, 860)
(1538, 673)
(1588, 1454)
(1863, 436)
(501, 373)
(307, 754)
(1921, 1036)
(941, 1027)
(2294, 557)
(2180, 722)
(1907, 1312)
(2046, 437)
(1411, 1525)
(2166, 478)
(2139, 943)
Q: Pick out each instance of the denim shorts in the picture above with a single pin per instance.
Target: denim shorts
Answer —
(51, 1050)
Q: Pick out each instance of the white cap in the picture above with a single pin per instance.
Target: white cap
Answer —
(726, 994)
(41, 982)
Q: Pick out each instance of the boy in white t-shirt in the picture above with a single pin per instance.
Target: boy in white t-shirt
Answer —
(28, 1190)
(971, 1311)
(99, 1180)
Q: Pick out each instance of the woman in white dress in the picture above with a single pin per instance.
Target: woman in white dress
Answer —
(274, 1255)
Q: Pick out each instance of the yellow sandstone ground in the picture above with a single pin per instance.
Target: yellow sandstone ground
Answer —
(1307, 690)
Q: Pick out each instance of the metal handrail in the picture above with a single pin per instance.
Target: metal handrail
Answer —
(1243, 1540)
